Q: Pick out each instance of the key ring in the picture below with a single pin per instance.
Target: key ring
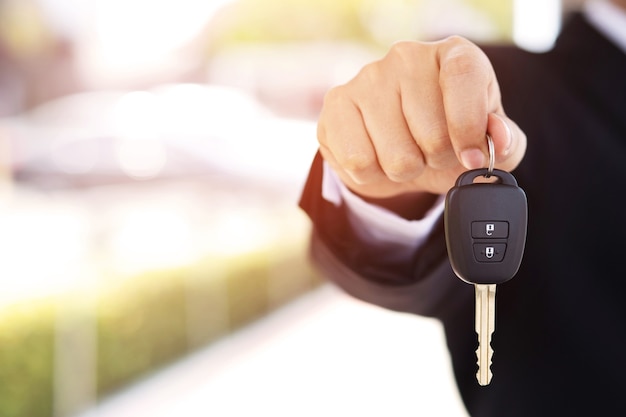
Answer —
(492, 156)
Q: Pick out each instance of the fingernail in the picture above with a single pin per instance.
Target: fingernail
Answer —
(473, 158)
(509, 133)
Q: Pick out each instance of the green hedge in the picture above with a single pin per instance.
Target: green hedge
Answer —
(140, 325)
(26, 359)
(143, 323)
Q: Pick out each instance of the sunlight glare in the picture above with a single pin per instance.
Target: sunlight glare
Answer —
(536, 23)
(138, 31)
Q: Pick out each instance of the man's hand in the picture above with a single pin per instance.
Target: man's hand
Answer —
(413, 121)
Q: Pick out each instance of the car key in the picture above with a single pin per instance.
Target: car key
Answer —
(485, 230)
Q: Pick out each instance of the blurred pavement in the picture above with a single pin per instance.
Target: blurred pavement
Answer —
(324, 354)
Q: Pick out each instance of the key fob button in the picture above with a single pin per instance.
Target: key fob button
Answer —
(490, 230)
(489, 252)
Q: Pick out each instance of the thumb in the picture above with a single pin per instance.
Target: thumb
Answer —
(508, 139)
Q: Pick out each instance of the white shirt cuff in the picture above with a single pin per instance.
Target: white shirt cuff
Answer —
(376, 224)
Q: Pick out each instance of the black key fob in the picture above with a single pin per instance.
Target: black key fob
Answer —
(485, 227)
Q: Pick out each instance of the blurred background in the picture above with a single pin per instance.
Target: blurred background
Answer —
(152, 256)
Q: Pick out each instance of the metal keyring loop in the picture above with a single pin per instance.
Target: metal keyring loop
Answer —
(492, 156)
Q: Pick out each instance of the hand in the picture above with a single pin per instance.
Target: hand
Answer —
(413, 121)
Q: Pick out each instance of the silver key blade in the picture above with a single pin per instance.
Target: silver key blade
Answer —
(485, 325)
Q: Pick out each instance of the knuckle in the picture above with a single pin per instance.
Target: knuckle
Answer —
(403, 167)
(442, 160)
(334, 96)
(370, 74)
(462, 57)
(436, 139)
(437, 147)
(457, 40)
(460, 64)
(405, 55)
(358, 164)
(440, 155)
(403, 49)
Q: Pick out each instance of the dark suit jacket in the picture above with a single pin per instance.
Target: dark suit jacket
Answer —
(560, 340)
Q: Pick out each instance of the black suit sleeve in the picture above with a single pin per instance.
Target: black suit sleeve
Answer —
(422, 283)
